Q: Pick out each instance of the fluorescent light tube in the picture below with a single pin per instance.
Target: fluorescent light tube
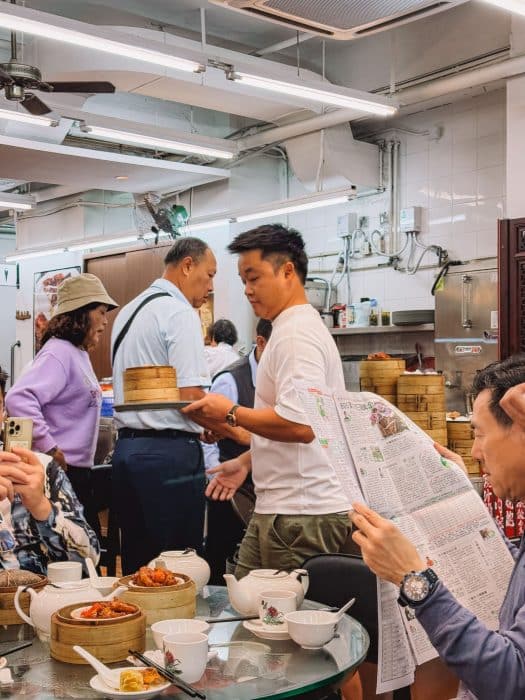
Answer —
(26, 118)
(329, 97)
(19, 202)
(151, 141)
(153, 236)
(91, 41)
(214, 223)
(290, 208)
(517, 6)
(102, 243)
(35, 254)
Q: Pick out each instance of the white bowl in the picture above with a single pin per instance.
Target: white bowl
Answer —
(165, 627)
(311, 629)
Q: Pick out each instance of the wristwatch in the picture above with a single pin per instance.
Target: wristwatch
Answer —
(416, 587)
(231, 419)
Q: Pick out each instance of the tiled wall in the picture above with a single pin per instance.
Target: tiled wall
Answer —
(456, 173)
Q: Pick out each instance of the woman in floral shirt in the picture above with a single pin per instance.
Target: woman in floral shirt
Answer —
(41, 519)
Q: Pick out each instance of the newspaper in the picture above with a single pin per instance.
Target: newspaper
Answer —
(383, 459)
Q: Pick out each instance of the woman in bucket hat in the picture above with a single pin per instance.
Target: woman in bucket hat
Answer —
(60, 391)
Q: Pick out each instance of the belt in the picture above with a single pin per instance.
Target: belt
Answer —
(150, 433)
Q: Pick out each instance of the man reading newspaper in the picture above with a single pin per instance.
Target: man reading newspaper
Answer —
(490, 664)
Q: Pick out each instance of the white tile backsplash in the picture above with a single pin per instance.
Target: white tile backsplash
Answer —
(458, 179)
(464, 155)
(464, 187)
(463, 125)
(491, 182)
(491, 150)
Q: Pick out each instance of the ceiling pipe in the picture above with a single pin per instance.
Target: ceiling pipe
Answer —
(410, 96)
(307, 126)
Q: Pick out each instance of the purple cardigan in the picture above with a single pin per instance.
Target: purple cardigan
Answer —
(490, 664)
(60, 392)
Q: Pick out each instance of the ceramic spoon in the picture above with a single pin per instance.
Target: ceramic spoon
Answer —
(339, 614)
(93, 576)
(111, 678)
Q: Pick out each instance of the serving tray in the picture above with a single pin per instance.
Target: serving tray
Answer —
(150, 405)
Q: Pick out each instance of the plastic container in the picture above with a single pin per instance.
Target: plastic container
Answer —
(375, 315)
(106, 408)
(362, 313)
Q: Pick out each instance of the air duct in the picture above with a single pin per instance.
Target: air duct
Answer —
(332, 158)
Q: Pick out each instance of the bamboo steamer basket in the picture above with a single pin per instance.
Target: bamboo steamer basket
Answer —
(145, 395)
(380, 377)
(460, 440)
(438, 435)
(421, 384)
(428, 420)
(8, 614)
(421, 393)
(420, 403)
(108, 640)
(422, 398)
(159, 371)
(150, 383)
(163, 602)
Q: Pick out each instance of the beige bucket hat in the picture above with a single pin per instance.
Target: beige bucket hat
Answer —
(75, 292)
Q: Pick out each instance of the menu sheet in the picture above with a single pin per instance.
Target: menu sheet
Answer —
(385, 460)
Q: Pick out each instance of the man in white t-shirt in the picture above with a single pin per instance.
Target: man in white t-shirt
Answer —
(300, 508)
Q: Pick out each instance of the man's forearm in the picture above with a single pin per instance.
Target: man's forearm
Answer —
(268, 424)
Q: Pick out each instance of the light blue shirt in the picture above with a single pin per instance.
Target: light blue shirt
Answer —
(167, 331)
(226, 385)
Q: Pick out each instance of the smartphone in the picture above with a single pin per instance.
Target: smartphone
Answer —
(18, 432)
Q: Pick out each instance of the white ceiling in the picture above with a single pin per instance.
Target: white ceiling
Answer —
(207, 104)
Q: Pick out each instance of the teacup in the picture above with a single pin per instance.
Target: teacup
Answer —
(164, 628)
(186, 652)
(64, 571)
(273, 606)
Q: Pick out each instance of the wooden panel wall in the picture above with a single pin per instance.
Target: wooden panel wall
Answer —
(124, 275)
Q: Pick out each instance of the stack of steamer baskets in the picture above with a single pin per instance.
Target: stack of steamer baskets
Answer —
(379, 375)
(422, 398)
(460, 440)
(150, 384)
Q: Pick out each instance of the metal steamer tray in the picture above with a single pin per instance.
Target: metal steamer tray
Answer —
(150, 406)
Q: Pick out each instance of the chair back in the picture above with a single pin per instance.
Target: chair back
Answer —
(335, 578)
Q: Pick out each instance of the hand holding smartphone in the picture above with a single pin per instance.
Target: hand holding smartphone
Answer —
(18, 432)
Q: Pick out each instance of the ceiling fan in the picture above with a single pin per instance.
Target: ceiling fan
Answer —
(18, 81)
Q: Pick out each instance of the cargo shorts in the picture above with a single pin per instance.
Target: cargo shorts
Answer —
(285, 541)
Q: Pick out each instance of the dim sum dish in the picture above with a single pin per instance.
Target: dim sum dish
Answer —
(136, 683)
(104, 611)
(155, 578)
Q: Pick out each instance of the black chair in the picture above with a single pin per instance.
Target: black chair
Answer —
(334, 579)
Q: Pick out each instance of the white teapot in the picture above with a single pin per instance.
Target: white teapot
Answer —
(243, 594)
(185, 562)
(53, 597)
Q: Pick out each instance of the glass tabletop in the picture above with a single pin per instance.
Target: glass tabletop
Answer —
(243, 666)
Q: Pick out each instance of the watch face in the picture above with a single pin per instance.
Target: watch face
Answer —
(416, 587)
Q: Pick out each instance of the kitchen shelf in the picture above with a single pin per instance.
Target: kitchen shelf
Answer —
(373, 330)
